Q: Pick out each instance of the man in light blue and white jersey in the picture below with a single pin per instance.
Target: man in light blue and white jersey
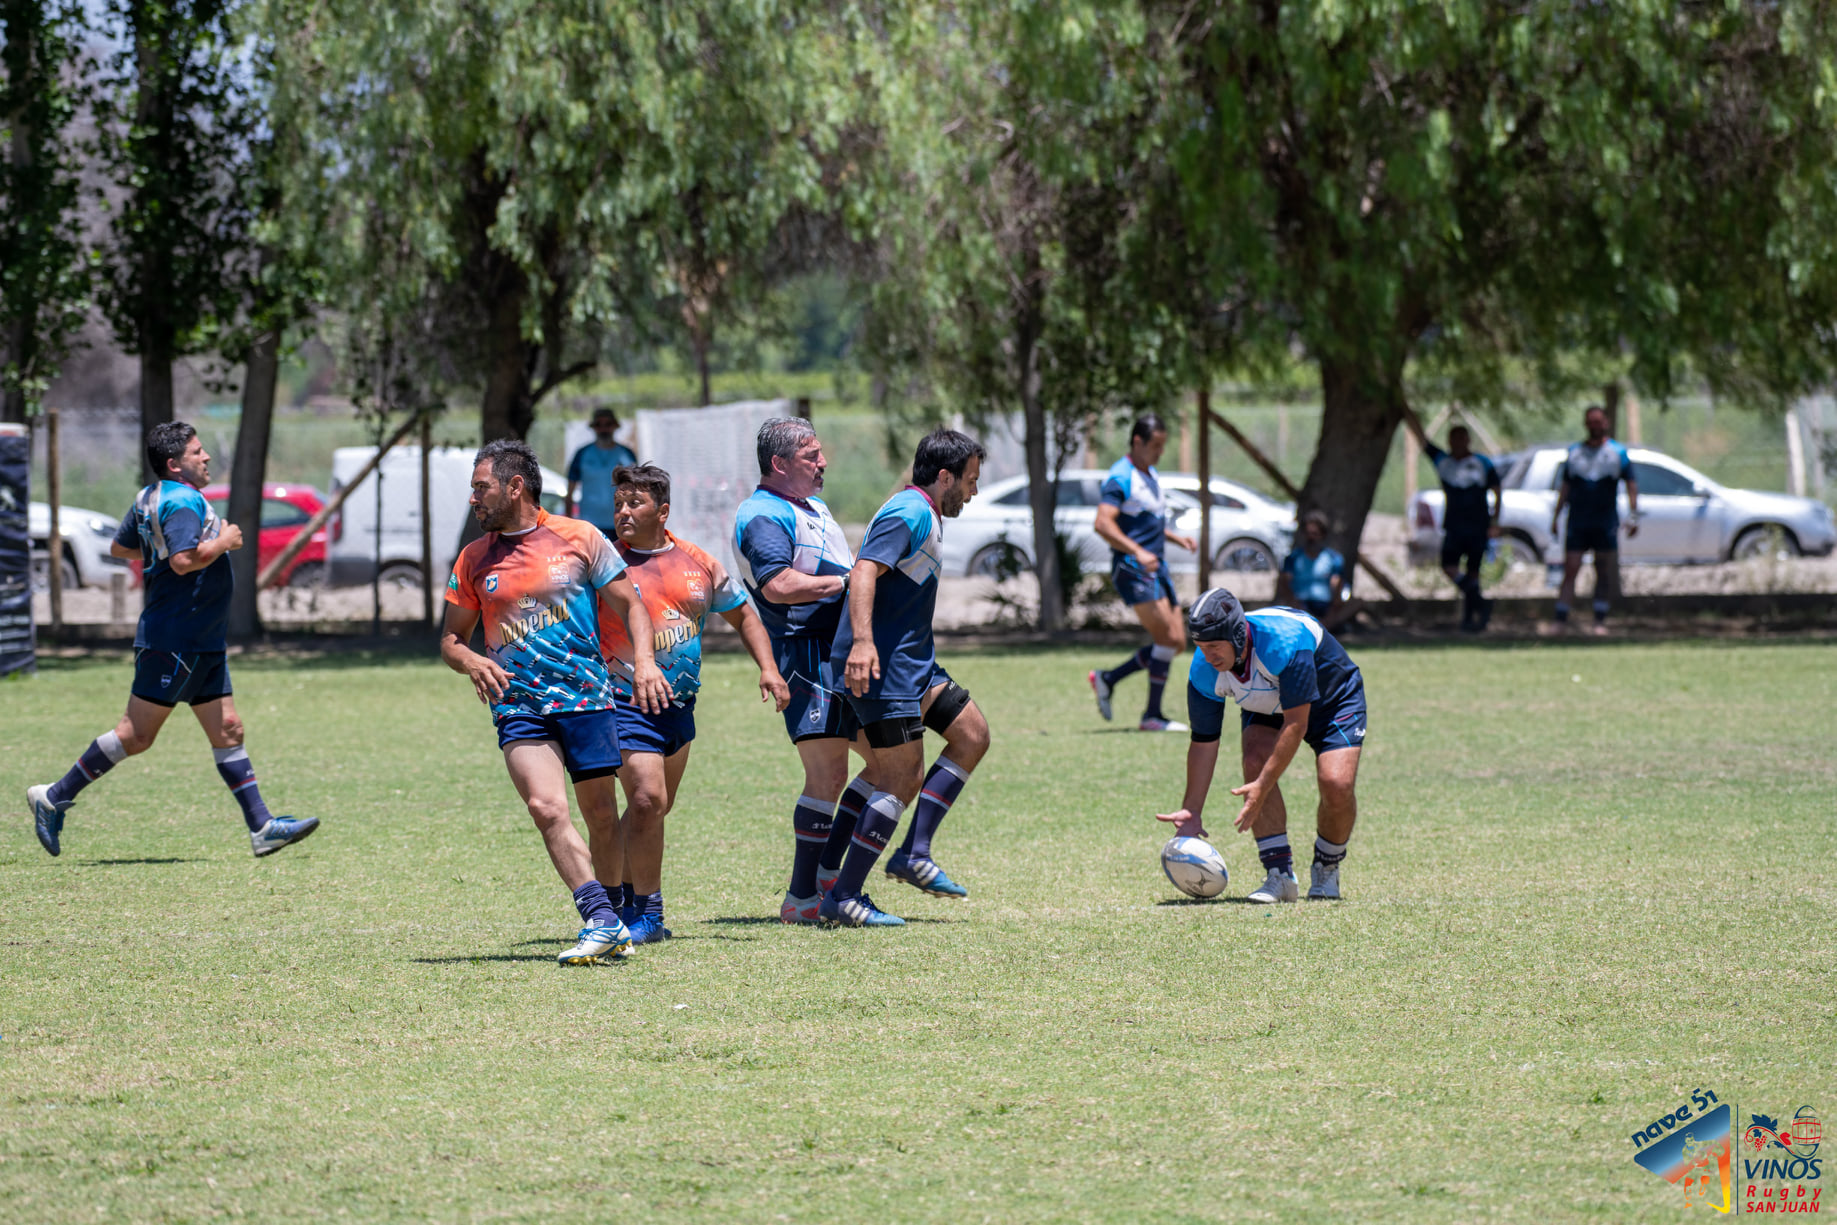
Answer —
(1132, 520)
(590, 493)
(886, 655)
(179, 647)
(1293, 683)
(1589, 487)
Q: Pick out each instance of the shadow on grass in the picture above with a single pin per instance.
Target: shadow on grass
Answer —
(750, 920)
(460, 961)
(1208, 901)
(121, 863)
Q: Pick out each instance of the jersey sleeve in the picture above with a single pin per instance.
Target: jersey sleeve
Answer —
(459, 589)
(1336, 563)
(890, 541)
(1436, 454)
(1205, 714)
(1292, 562)
(574, 477)
(1298, 684)
(1492, 471)
(127, 533)
(1113, 493)
(1626, 465)
(767, 547)
(727, 594)
(603, 561)
(182, 524)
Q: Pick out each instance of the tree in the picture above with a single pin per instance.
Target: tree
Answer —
(44, 276)
(1406, 191)
(174, 126)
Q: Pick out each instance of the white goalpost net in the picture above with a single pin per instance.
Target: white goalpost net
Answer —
(713, 465)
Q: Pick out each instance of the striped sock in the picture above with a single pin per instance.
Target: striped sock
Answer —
(1275, 853)
(103, 754)
(239, 774)
(1129, 667)
(942, 786)
(811, 820)
(1328, 854)
(1159, 661)
(848, 812)
(872, 833)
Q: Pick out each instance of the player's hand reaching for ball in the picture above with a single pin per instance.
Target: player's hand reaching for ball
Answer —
(1253, 793)
(1186, 825)
(772, 688)
(488, 680)
(862, 668)
(649, 691)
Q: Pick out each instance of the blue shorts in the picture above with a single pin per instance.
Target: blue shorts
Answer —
(816, 710)
(166, 678)
(1138, 588)
(589, 739)
(663, 733)
(1466, 550)
(1598, 537)
(1340, 727)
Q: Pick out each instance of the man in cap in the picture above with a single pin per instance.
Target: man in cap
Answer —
(1293, 683)
(590, 492)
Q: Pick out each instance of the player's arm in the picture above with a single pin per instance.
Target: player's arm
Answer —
(574, 468)
(863, 666)
(790, 587)
(649, 691)
(1336, 582)
(772, 687)
(122, 551)
(1562, 500)
(1206, 715)
(1413, 423)
(1288, 740)
(489, 681)
(1285, 581)
(1111, 533)
(1495, 497)
(1632, 504)
(191, 552)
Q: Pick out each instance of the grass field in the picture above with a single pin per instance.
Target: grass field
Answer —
(1586, 882)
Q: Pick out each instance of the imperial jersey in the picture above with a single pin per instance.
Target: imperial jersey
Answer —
(904, 536)
(1141, 507)
(1464, 485)
(184, 612)
(774, 533)
(1594, 474)
(1289, 661)
(680, 585)
(535, 591)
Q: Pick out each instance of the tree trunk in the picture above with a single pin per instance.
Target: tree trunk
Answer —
(19, 341)
(247, 475)
(509, 407)
(155, 393)
(1359, 414)
(1042, 483)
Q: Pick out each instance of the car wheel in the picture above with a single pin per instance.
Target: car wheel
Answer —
(311, 574)
(1764, 540)
(1245, 556)
(402, 575)
(41, 574)
(998, 561)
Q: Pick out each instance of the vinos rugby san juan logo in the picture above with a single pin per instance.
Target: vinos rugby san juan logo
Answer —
(1762, 1165)
(1780, 1167)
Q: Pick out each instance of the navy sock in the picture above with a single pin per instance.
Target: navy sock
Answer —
(1562, 611)
(848, 812)
(648, 904)
(596, 909)
(1129, 667)
(872, 833)
(1160, 660)
(811, 820)
(239, 773)
(942, 786)
(1274, 852)
(616, 895)
(103, 754)
(1327, 854)
(628, 908)
(1600, 610)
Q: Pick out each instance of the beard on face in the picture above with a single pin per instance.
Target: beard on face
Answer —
(493, 518)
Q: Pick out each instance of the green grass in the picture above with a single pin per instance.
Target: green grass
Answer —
(1585, 883)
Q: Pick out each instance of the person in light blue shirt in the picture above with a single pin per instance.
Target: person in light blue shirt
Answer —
(1313, 576)
(1589, 486)
(590, 493)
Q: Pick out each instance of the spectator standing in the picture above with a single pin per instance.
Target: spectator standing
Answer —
(1472, 497)
(1313, 576)
(1588, 486)
(590, 492)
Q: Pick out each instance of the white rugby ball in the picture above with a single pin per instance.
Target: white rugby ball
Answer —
(1195, 867)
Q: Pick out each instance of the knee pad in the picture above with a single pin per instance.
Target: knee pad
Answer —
(946, 707)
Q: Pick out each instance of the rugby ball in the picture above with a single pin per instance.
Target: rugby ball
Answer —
(1194, 866)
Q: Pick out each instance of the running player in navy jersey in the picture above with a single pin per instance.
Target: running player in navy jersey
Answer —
(886, 655)
(1589, 488)
(179, 648)
(1132, 520)
(1471, 500)
(534, 579)
(1294, 683)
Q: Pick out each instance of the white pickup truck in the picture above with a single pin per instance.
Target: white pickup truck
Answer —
(1684, 517)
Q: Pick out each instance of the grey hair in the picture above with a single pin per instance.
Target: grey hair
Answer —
(510, 457)
(781, 437)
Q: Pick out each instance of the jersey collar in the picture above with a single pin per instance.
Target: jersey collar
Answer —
(800, 503)
(921, 493)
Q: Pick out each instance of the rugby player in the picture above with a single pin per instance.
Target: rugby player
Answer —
(1132, 519)
(794, 564)
(886, 655)
(1471, 500)
(1294, 683)
(1588, 485)
(679, 585)
(179, 648)
(532, 578)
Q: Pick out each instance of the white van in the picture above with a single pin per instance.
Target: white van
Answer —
(359, 547)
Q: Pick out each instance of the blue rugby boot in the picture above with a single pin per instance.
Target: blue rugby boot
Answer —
(595, 945)
(281, 832)
(857, 911)
(47, 818)
(924, 875)
(648, 929)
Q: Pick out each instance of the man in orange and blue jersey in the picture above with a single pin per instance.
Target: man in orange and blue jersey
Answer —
(679, 585)
(534, 579)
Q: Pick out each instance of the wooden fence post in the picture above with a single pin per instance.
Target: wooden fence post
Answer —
(1204, 415)
(54, 544)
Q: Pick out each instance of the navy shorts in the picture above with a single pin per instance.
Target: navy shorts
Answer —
(166, 678)
(664, 733)
(589, 739)
(1467, 548)
(1342, 727)
(816, 710)
(1592, 537)
(1138, 588)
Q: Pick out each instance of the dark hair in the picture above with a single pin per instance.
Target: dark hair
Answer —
(1147, 426)
(646, 476)
(167, 441)
(943, 450)
(1317, 516)
(603, 411)
(1594, 408)
(781, 437)
(510, 457)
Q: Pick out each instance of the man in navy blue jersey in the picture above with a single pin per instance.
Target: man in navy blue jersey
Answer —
(1471, 500)
(179, 647)
(1589, 488)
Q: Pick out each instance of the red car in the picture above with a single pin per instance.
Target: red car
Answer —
(285, 509)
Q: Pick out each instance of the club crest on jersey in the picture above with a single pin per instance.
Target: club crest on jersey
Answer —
(491, 583)
(559, 576)
(697, 591)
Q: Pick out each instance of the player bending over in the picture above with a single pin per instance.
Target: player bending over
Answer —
(1132, 519)
(1294, 683)
(888, 659)
(179, 646)
(532, 578)
(680, 585)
